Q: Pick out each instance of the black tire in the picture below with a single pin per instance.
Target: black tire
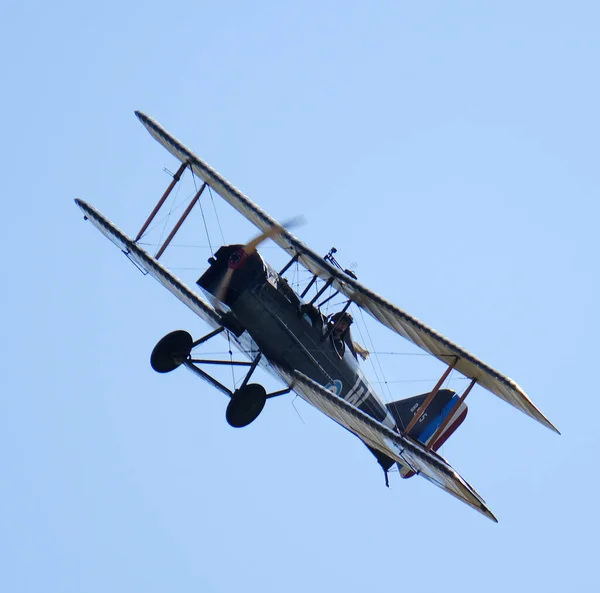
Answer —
(245, 405)
(171, 351)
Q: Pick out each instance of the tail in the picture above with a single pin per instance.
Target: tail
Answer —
(424, 430)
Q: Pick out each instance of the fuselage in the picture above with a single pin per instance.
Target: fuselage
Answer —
(288, 331)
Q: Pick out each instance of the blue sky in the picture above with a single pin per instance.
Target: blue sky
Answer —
(450, 150)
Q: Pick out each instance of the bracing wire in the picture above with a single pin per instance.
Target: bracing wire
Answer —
(164, 219)
(296, 409)
(178, 245)
(203, 217)
(168, 216)
(375, 355)
(362, 338)
(296, 278)
(431, 380)
(216, 214)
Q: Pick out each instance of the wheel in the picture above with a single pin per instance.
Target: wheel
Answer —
(171, 351)
(245, 405)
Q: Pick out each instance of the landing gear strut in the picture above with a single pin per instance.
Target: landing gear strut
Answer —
(245, 403)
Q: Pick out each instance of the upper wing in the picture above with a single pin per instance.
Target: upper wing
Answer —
(391, 316)
(404, 450)
(151, 265)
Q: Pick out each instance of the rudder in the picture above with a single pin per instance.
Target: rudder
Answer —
(403, 412)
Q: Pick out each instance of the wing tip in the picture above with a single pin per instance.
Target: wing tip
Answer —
(543, 420)
(528, 407)
(145, 120)
(81, 204)
(485, 511)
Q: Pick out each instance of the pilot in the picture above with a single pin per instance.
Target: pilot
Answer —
(339, 326)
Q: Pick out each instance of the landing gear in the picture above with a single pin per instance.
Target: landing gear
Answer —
(171, 351)
(246, 402)
(245, 405)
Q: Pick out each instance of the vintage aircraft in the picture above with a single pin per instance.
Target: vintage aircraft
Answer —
(254, 306)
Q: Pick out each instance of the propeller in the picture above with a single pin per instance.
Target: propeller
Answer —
(237, 258)
(221, 290)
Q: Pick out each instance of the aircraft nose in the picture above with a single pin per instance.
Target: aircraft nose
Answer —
(237, 259)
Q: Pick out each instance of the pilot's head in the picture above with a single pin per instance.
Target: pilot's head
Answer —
(341, 322)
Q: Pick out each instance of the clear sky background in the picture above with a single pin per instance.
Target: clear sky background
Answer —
(450, 149)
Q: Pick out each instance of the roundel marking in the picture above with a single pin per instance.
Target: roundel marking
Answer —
(334, 386)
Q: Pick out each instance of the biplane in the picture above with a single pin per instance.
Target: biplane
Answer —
(243, 298)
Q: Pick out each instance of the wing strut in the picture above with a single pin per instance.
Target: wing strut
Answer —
(429, 399)
(158, 206)
(309, 286)
(180, 221)
(289, 264)
(321, 291)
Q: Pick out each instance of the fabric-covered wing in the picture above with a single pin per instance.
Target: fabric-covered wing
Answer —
(150, 265)
(385, 312)
(406, 451)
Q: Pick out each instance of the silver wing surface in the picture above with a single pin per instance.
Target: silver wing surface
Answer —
(381, 309)
(150, 265)
(404, 450)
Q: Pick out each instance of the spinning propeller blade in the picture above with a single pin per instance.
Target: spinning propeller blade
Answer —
(250, 248)
(221, 290)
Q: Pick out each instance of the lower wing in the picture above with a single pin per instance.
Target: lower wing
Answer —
(150, 265)
(404, 450)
